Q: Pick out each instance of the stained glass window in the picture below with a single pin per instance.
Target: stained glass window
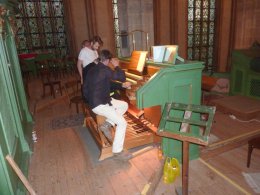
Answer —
(41, 27)
(201, 31)
(116, 25)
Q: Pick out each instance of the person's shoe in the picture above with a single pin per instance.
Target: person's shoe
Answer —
(123, 156)
(106, 129)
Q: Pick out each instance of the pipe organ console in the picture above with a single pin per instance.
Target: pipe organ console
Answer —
(153, 85)
(137, 81)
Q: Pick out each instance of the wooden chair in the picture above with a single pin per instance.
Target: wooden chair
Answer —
(73, 92)
(57, 67)
(48, 81)
(70, 64)
(252, 143)
(26, 72)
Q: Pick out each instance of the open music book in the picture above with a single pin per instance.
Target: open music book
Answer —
(158, 53)
(170, 54)
(165, 53)
(137, 61)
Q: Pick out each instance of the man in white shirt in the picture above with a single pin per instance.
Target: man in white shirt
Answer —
(88, 55)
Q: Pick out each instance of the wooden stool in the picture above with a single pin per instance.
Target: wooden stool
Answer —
(253, 143)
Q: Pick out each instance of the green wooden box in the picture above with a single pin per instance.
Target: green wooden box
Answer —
(244, 80)
(180, 83)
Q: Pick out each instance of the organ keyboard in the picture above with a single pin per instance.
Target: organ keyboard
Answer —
(136, 84)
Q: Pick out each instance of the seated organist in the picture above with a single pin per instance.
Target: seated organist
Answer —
(138, 131)
(96, 90)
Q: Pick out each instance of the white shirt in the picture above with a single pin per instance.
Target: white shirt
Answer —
(87, 56)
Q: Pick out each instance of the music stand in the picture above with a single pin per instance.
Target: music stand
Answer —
(177, 122)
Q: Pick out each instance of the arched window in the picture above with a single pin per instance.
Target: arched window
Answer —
(41, 27)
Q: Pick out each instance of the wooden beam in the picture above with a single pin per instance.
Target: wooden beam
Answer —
(185, 167)
(20, 174)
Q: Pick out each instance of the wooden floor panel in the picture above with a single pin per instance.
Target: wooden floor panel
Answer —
(61, 165)
(233, 163)
(242, 107)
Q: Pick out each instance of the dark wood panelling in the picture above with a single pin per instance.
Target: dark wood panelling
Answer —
(247, 23)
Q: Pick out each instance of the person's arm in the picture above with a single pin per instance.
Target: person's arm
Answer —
(118, 78)
(118, 74)
(126, 85)
(116, 85)
(79, 66)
